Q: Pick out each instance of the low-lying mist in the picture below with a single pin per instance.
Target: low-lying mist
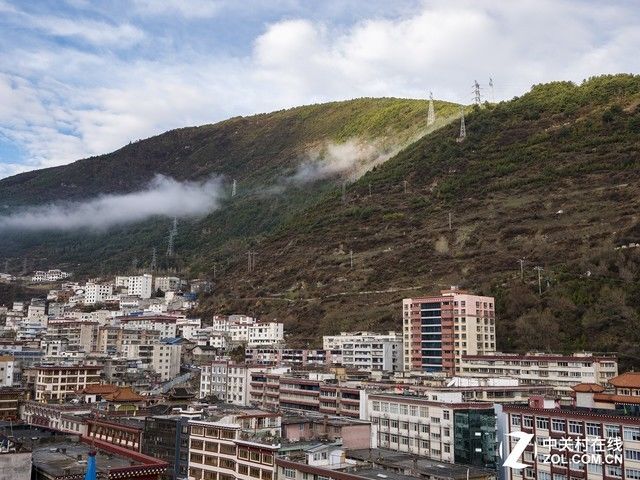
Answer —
(163, 196)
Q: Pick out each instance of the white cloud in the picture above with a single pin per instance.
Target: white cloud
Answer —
(163, 197)
(185, 8)
(63, 104)
(99, 33)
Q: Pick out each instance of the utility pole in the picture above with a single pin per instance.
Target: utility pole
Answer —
(431, 114)
(234, 188)
(450, 220)
(344, 192)
(369, 188)
(521, 260)
(351, 257)
(405, 186)
(172, 235)
(539, 269)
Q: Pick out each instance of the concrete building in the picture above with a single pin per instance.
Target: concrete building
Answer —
(439, 330)
(140, 285)
(165, 360)
(438, 427)
(167, 284)
(265, 333)
(57, 383)
(559, 371)
(367, 351)
(238, 446)
(166, 437)
(166, 325)
(6, 370)
(97, 292)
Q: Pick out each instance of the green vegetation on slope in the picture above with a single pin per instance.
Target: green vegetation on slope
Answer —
(551, 177)
(257, 151)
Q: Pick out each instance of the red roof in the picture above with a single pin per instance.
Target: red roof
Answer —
(124, 394)
(97, 389)
(588, 388)
(626, 380)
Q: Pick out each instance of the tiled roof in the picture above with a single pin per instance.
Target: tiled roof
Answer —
(626, 380)
(124, 394)
(588, 387)
(97, 389)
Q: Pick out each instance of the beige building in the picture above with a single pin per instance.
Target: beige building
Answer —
(439, 330)
(56, 383)
(240, 446)
(559, 371)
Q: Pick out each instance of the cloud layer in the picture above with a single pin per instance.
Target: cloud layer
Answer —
(163, 197)
(88, 79)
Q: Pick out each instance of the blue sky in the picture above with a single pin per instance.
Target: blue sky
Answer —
(81, 78)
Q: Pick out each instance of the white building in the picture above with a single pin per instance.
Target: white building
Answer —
(165, 360)
(6, 370)
(227, 381)
(97, 292)
(560, 371)
(164, 324)
(167, 284)
(265, 333)
(140, 285)
(52, 275)
(367, 350)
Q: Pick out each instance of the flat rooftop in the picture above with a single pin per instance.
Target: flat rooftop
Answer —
(406, 461)
(70, 458)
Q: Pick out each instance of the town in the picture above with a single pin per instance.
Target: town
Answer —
(119, 374)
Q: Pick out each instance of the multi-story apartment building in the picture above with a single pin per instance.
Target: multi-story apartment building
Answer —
(244, 329)
(366, 350)
(298, 357)
(140, 285)
(273, 391)
(80, 335)
(6, 370)
(165, 360)
(265, 333)
(167, 437)
(439, 330)
(164, 324)
(239, 446)
(97, 292)
(559, 371)
(227, 381)
(167, 284)
(56, 383)
(437, 427)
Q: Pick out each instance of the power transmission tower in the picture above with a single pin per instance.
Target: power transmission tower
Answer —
(405, 185)
(134, 264)
(539, 269)
(431, 114)
(477, 97)
(234, 188)
(154, 260)
(491, 89)
(463, 128)
(521, 260)
(172, 235)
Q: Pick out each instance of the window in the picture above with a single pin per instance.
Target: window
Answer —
(632, 454)
(243, 469)
(632, 433)
(445, 414)
(575, 427)
(267, 458)
(632, 473)
(542, 423)
(516, 420)
(612, 431)
(254, 472)
(544, 475)
(195, 458)
(196, 444)
(557, 425)
(527, 421)
(614, 471)
(254, 456)
(289, 473)
(593, 429)
(243, 453)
